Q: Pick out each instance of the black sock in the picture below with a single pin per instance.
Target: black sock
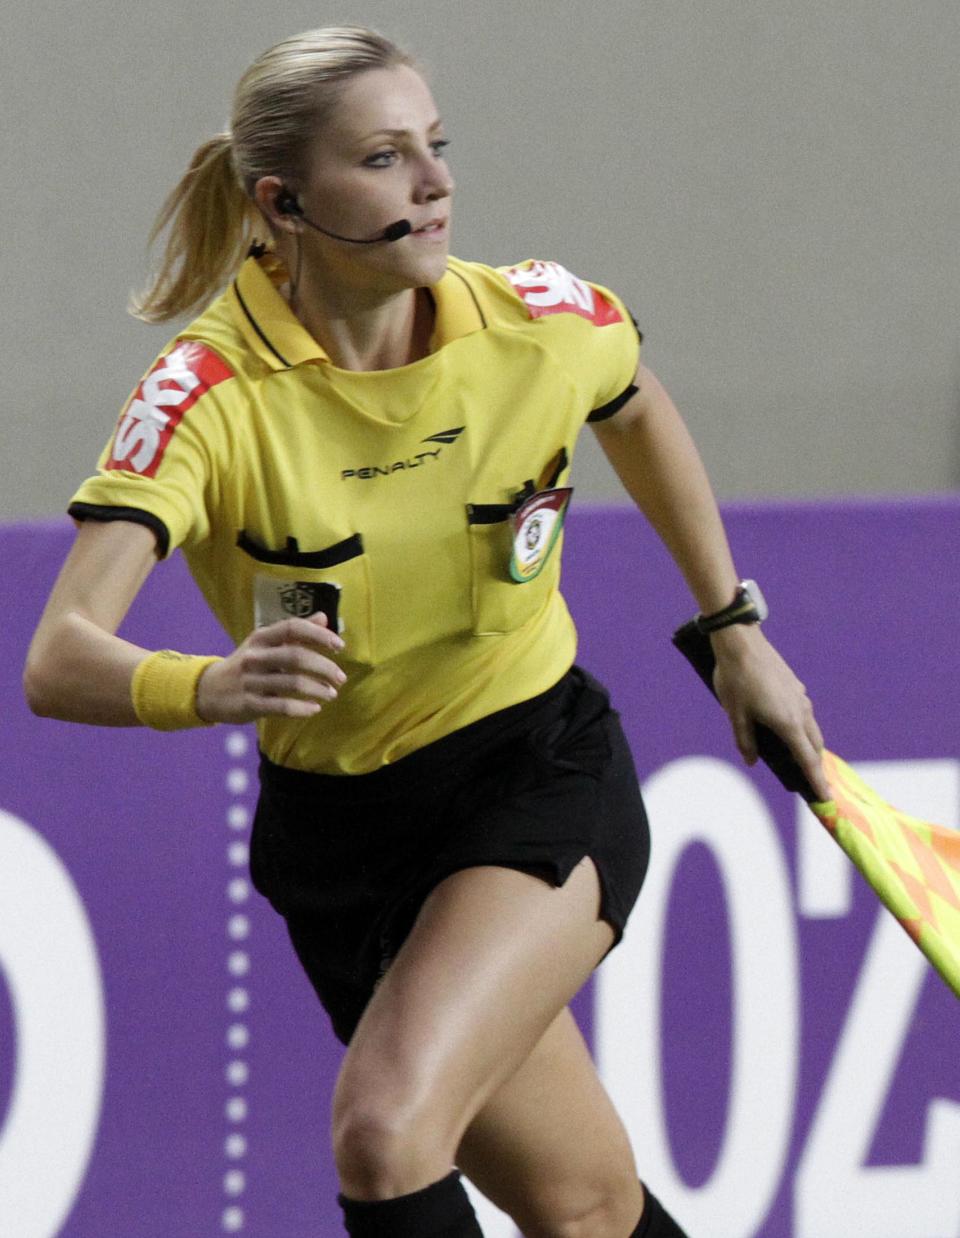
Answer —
(441, 1210)
(656, 1222)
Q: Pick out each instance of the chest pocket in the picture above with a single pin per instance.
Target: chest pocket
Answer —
(295, 583)
(500, 603)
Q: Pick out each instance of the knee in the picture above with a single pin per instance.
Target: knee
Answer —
(372, 1149)
(383, 1141)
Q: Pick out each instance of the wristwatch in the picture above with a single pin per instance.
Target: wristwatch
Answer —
(748, 606)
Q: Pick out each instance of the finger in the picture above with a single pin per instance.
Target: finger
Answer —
(288, 661)
(815, 735)
(292, 658)
(814, 774)
(808, 757)
(308, 632)
(291, 686)
(321, 619)
(281, 706)
(745, 736)
(265, 669)
(302, 660)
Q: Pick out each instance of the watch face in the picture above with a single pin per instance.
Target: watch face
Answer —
(753, 593)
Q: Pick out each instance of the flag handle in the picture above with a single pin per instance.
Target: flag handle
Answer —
(696, 648)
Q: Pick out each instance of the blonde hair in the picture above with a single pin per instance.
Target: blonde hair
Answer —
(279, 103)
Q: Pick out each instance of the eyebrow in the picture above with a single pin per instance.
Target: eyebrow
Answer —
(400, 133)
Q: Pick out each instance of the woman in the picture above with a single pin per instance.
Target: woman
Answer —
(359, 447)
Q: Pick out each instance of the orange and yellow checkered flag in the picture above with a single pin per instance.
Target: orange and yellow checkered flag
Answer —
(913, 866)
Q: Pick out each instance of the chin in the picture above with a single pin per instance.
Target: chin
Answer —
(416, 271)
(431, 270)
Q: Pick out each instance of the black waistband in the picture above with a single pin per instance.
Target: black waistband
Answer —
(444, 761)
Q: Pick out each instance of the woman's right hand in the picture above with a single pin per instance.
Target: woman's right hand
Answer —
(282, 669)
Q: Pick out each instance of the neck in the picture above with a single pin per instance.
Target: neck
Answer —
(367, 331)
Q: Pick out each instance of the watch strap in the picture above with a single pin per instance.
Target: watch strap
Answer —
(743, 609)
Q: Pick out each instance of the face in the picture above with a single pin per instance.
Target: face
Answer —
(380, 159)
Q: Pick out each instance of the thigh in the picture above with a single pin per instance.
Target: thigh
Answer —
(549, 1144)
(494, 956)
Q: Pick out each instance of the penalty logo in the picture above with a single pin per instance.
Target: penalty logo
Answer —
(441, 438)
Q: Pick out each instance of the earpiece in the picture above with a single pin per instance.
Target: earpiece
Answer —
(285, 203)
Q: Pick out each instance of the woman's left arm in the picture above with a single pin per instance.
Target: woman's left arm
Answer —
(654, 456)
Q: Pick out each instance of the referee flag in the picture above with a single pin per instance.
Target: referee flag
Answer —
(913, 866)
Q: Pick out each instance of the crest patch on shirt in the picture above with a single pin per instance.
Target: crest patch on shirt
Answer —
(549, 288)
(275, 599)
(536, 527)
(158, 405)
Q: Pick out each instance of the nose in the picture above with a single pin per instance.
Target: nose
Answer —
(443, 190)
(435, 180)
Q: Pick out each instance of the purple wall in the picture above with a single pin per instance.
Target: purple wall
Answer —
(784, 1058)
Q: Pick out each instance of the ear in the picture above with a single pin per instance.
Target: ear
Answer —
(266, 192)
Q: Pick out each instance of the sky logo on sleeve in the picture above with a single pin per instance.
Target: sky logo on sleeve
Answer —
(549, 288)
(158, 405)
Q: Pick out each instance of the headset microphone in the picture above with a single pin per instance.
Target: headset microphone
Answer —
(287, 204)
(398, 229)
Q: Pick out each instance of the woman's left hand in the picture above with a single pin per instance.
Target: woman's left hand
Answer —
(755, 685)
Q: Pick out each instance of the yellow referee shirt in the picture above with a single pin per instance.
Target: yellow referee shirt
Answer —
(391, 499)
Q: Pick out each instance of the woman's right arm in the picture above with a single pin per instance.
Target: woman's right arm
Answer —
(79, 670)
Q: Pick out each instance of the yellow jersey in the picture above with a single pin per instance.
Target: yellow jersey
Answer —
(398, 501)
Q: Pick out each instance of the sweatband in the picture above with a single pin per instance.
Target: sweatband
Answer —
(164, 690)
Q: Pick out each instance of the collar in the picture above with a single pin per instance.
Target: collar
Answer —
(278, 337)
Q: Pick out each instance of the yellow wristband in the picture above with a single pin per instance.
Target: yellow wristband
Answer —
(164, 690)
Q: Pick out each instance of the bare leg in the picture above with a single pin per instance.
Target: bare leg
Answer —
(549, 1148)
(492, 961)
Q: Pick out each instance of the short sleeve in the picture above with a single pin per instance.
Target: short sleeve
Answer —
(587, 327)
(157, 468)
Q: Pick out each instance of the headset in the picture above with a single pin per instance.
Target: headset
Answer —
(285, 203)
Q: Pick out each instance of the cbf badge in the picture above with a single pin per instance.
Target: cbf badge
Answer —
(536, 527)
(282, 599)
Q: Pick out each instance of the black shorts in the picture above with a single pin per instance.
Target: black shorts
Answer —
(349, 860)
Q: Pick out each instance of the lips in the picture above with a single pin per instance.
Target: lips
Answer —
(431, 227)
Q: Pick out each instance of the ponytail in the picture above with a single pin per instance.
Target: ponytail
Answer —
(281, 102)
(211, 222)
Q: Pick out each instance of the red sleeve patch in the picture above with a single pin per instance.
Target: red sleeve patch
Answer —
(549, 288)
(158, 405)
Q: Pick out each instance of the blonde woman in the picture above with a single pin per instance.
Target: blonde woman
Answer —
(362, 444)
